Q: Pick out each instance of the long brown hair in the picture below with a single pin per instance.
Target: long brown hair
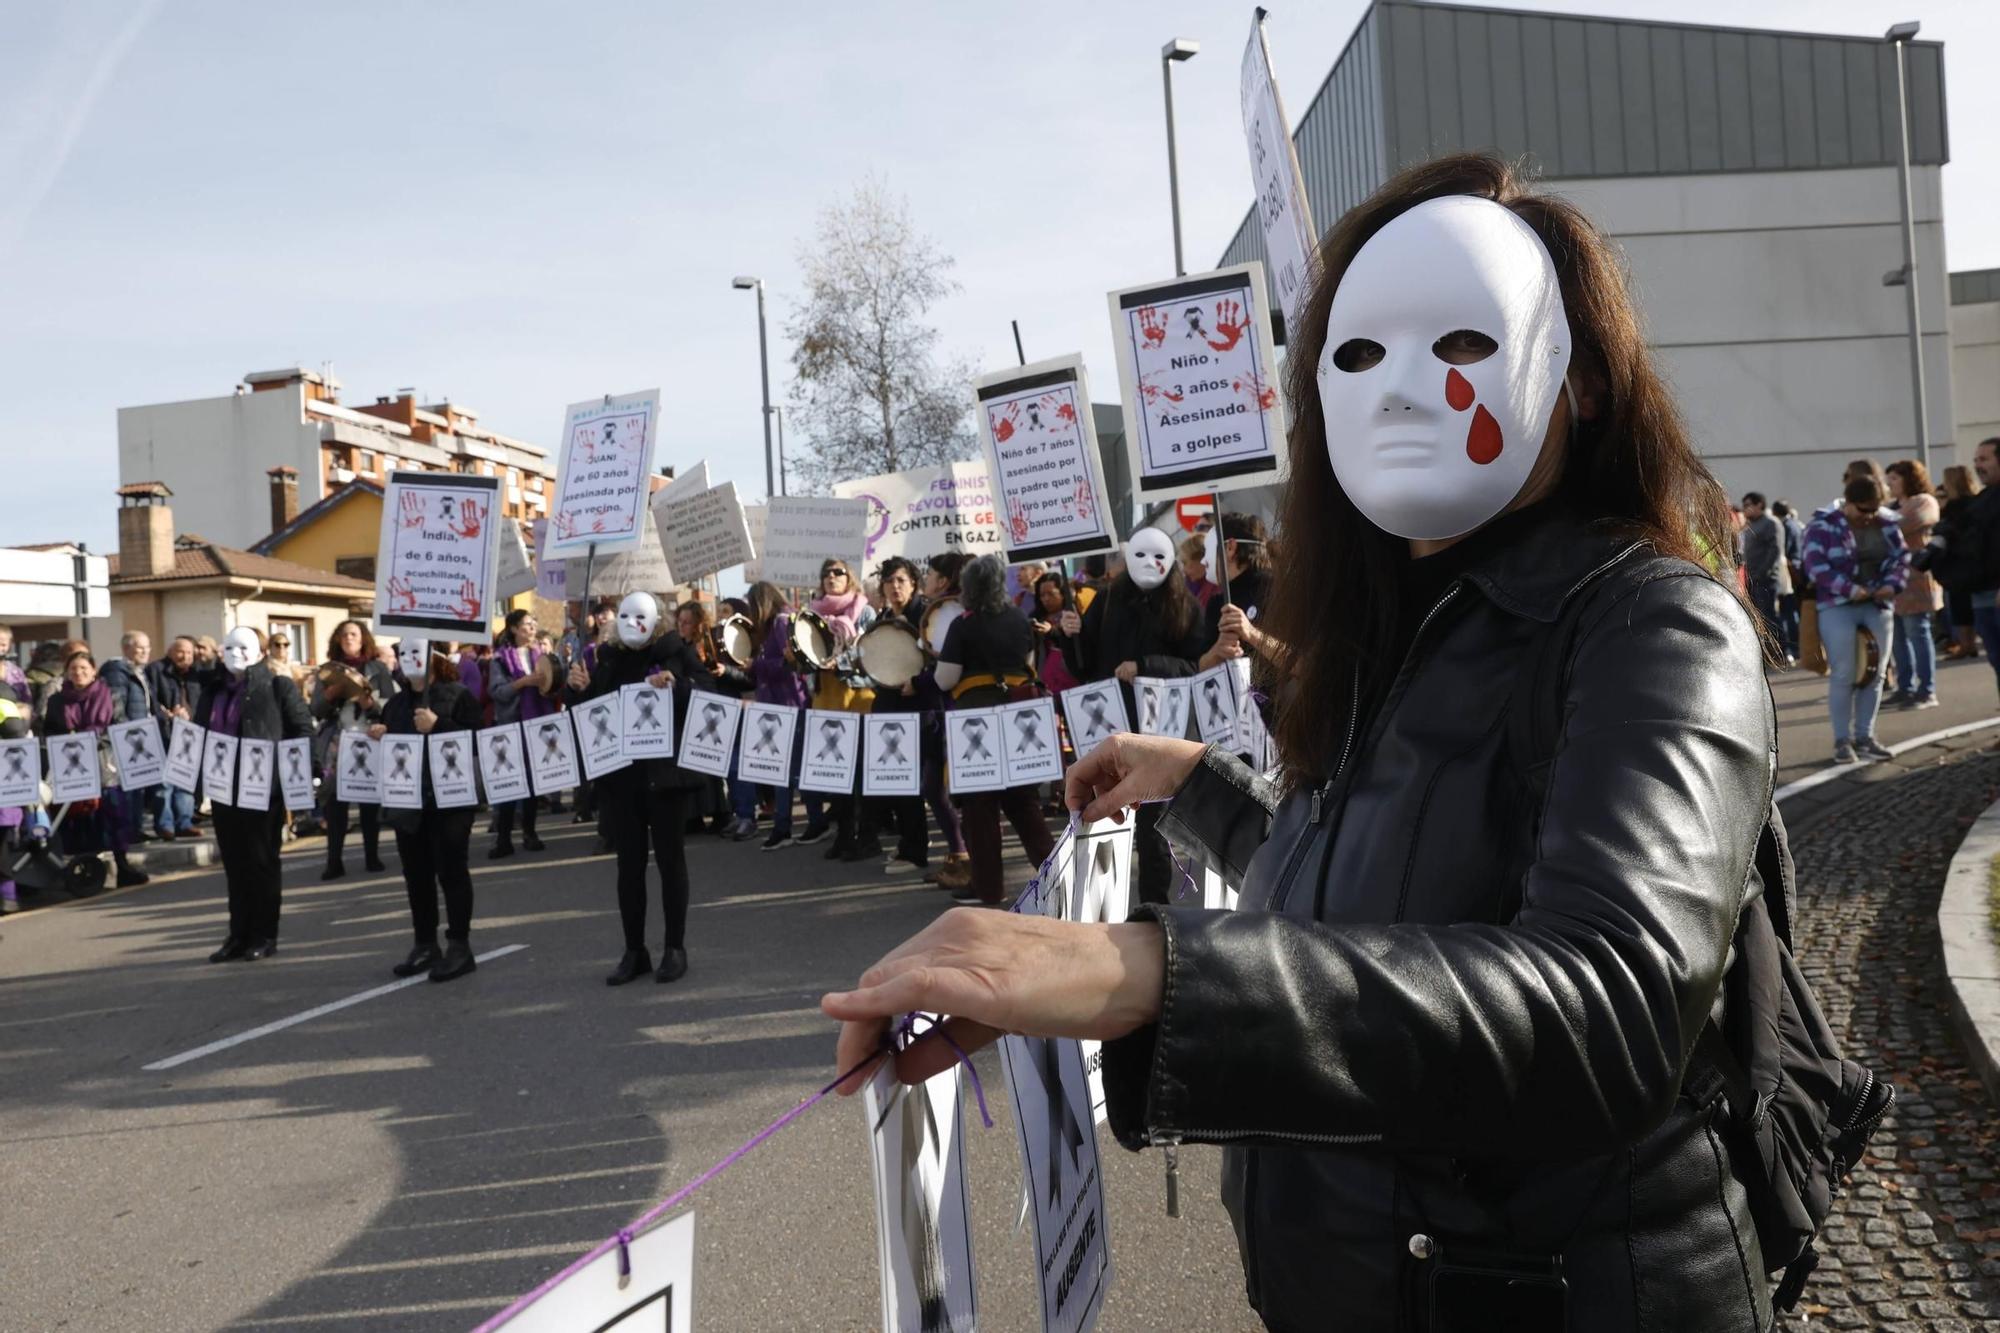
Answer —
(1630, 464)
(1960, 483)
(766, 603)
(1916, 478)
(367, 642)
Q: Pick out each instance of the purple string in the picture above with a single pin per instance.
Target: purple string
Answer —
(897, 1040)
(1188, 885)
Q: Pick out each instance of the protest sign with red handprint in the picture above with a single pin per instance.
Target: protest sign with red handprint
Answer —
(1152, 390)
(412, 509)
(1003, 422)
(565, 525)
(469, 514)
(1251, 385)
(1152, 326)
(402, 597)
(1017, 519)
(468, 601)
(1230, 323)
(1086, 499)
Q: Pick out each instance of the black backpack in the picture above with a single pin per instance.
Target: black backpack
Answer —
(1794, 1113)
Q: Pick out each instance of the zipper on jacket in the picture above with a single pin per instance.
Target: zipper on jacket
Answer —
(1172, 1144)
(1163, 1139)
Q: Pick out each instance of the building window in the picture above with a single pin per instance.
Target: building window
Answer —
(367, 461)
(355, 567)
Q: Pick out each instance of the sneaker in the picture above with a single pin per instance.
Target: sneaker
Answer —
(968, 897)
(1925, 701)
(1900, 699)
(775, 841)
(1870, 748)
(743, 830)
(814, 833)
(1843, 753)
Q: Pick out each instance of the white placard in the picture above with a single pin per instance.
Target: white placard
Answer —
(454, 783)
(644, 568)
(655, 1293)
(754, 517)
(503, 763)
(832, 749)
(255, 763)
(402, 771)
(685, 482)
(136, 749)
(918, 513)
(1199, 383)
(892, 763)
(218, 768)
(551, 571)
(21, 772)
(73, 771)
(551, 746)
(1040, 446)
(1214, 704)
(601, 486)
(976, 759)
(184, 752)
(709, 733)
(1034, 746)
(704, 532)
(1217, 894)
(766, 742)
(439, 555)
(600, 725)
(1283, 210)
(1099, 888)
(295, 774)
(802, 532)
(358, 768)
(922, 1207)
(1249, 721)
(1056, 1125)
(517, 572)
(647, 716)
(1163, 705)
(1095, 713)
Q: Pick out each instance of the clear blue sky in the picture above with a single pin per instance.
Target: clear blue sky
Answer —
(521, 205)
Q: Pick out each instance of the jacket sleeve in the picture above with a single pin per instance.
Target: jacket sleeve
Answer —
(1827, 579)
(464, 713)
(1563, 1031)
(1089, 644)
(1221, 815)
(1181, 658)
(294, 718)
(499, 684)
(768, 669)
(1896, 570)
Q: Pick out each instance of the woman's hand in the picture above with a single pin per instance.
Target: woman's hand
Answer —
(424, 719)
(579, 678)
(1221, 651)
(1236, 625)
(377, 731)
(1072, 623)
(661, 680)
(1129, 769)
(995, 972)
(1127, 672)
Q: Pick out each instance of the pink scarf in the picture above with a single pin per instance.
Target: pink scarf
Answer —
(841, 613)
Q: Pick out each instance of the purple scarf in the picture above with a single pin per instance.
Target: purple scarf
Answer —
(88, 709)
(518, 662)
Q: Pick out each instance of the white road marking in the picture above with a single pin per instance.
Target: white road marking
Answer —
(1832, 771)
(320, 1011)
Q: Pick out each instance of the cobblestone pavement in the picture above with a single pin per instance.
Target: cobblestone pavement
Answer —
(1915, 1242)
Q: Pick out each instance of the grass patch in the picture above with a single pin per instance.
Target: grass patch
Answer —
(1993, 895)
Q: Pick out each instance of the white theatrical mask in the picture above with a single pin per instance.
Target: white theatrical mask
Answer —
(414, 657)
(1428, 448)
(1148, 557)
(638, 618)
(240, 650)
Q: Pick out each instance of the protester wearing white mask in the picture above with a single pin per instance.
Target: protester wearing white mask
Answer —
(1146, 623)
(646, 804)
(1525, 745)
(432, 843)
(248, 700)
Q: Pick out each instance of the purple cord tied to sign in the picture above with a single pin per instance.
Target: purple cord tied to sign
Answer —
(898, 1039)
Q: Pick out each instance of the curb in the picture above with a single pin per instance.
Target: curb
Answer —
(1971, 956)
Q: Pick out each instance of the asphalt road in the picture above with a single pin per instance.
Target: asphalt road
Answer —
(415, 1160)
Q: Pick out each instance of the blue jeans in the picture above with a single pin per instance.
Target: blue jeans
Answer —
(1853, 711)
(172, 808)
(1986, 621)
(743, 795)
(1788, 623)
(1916, 654)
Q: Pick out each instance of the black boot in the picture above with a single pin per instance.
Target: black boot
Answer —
(531, 842)
(457, 961)
(259, 950)
(421, 959)
(635, 963)
(504, 847)
(673, 965)
(335, 868)
(129, 874)
(372, 855)
(232, 948)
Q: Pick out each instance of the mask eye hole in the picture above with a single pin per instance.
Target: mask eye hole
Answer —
(1463, 347)
(1358, 354)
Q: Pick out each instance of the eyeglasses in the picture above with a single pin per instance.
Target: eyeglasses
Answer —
(836, 573)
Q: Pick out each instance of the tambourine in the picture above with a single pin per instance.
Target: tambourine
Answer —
(890, 654)
(1867, 658)
(937, 622)
(814, 640)
(340, 682)
(732, 642)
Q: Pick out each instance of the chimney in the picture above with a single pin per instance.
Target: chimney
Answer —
(145, 530)
(284, 495)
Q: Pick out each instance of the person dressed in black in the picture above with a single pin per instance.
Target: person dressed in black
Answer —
(432, 843)
(250, 701)
(1146, 623)
(984, 662)
(1232, 624)
(859, 819)
(347, 695)
(646, 803)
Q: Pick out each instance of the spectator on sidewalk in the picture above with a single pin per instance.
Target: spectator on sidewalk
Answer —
(1765, 575)
(85, 703)
(1795, 575)
(1921, 598)
(11, 674)
(1978, 548)
(1857, 562)
(176, 685)
(1961, 484)
(126, 677)
(1194, 563)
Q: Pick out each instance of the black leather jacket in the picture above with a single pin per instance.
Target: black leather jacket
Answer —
(1435, 1014)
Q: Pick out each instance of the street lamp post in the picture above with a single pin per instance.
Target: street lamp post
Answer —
(764, 364)
(1179, 49)
(1899, 37)
(784, 485)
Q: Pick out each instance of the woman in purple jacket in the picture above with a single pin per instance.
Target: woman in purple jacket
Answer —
(774, 673)
(1855, 556)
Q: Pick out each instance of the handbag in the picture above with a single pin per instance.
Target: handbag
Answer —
(1812, 650)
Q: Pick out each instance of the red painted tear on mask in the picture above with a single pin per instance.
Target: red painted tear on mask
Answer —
(1482, 442)
(1457, 391)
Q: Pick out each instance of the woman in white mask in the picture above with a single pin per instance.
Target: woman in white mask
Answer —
(646, 804)
(1526, 776)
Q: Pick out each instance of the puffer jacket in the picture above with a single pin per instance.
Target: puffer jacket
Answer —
(1441, 1012)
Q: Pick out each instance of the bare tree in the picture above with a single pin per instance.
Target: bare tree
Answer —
(868, 391)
